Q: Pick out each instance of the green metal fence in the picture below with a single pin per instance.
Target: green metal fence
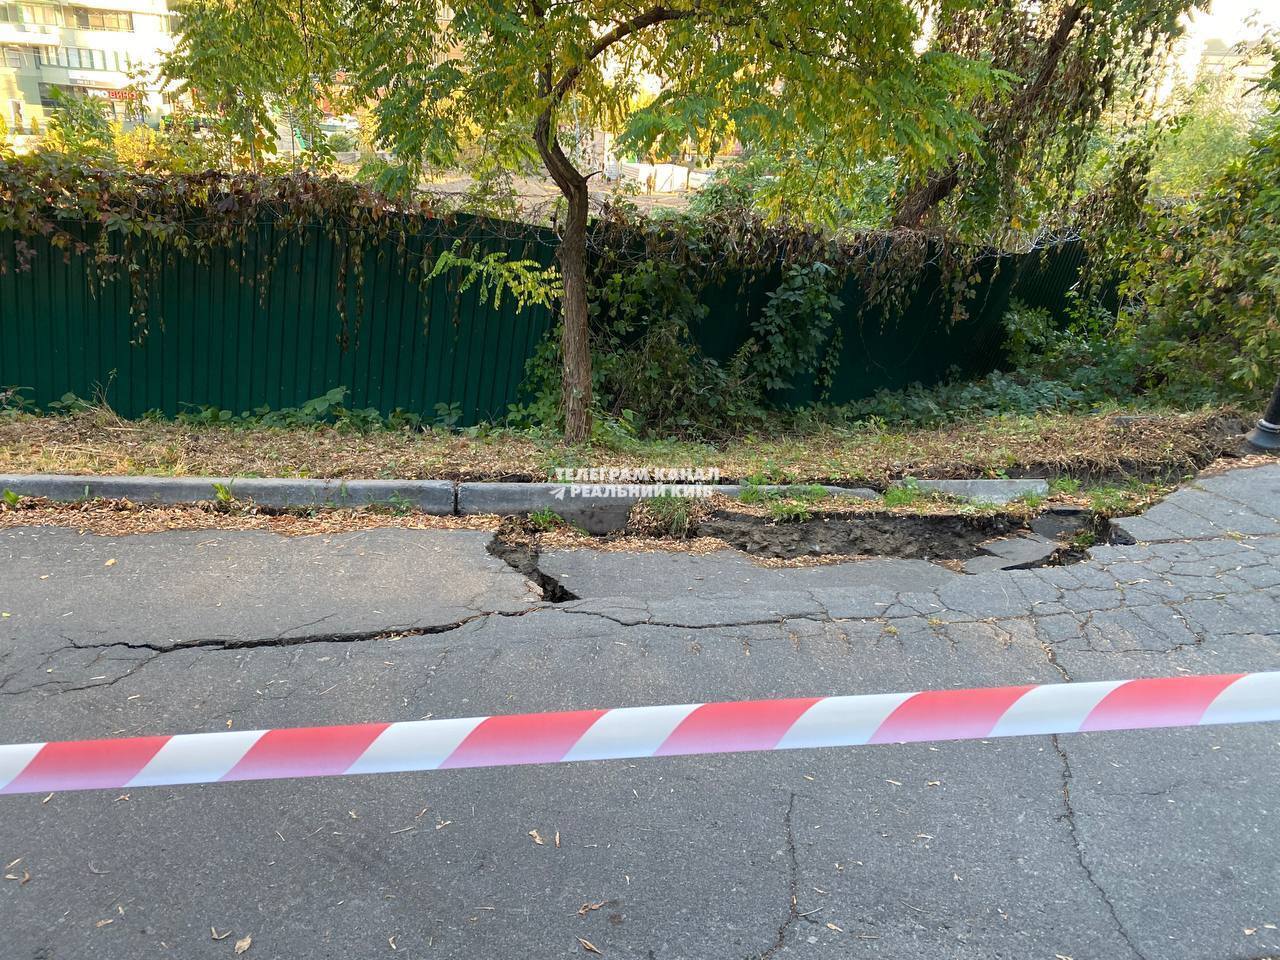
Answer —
(224, 335)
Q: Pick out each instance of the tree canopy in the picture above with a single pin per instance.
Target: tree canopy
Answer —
(497, 80)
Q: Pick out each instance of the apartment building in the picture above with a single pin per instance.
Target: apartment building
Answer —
(99, 48)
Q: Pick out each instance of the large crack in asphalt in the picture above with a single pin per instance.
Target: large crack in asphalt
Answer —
(793, 884)
(520, 553)
(1076, 840)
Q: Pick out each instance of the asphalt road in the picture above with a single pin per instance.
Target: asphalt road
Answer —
(1156, 845)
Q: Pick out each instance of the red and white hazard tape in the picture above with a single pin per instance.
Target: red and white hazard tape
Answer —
(639, 732)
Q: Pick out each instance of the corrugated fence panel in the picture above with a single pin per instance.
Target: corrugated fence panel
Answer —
(228, 332)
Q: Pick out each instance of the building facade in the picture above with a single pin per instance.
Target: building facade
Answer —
(98, 48)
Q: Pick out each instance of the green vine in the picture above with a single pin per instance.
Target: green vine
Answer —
(128, 226)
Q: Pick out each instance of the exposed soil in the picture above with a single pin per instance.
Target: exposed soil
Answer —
(515, 545)
(910, 537)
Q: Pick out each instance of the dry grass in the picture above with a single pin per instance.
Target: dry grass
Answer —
(1089, 447)
(115, 518)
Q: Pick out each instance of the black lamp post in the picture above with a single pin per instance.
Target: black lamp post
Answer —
(1266, 435)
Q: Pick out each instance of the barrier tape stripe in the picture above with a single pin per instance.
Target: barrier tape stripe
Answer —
(629, 732)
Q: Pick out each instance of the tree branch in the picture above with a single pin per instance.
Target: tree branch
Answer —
(938, 187)
(651, 17)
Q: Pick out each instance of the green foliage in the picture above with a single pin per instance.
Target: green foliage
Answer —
(174, 148)
(12, 401)
(144, 220)
(649, 375)
(80, 126)
(222, 494)
(528, 282)
(904, 494)
(789, 511)
(1201, 279)
(1070, 67)
(327, 409)
(1029, 334)
(11, 499)
(794, 326)
(1210, 128)
(546, 519)
(837, 199)
(482, 78)
(670, 515)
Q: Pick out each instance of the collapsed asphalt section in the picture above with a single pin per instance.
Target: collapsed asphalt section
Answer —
(1157, 844)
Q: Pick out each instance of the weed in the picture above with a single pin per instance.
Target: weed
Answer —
(396, 505)
(222, 494)
(546, 519)
(904, 494)
(808, 493)
(11, 499)
(1033, 500)
(753, 493)
(1067, 485)
(667, 516)
(448, 415)
(789, 511)
(1084, 540)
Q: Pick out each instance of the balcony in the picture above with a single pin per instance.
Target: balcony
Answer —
(28, 34)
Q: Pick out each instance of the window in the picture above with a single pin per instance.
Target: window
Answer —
(43, 16)
(9, 13)
(18, 57)
(83, 18)
(80, 58)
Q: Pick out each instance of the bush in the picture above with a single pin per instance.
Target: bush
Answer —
(1201, 279)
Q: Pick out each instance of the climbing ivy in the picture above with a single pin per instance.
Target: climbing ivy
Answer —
(126, 225)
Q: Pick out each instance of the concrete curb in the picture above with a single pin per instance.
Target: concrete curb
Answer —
(595, 513)
(987, 491)
(430, 496)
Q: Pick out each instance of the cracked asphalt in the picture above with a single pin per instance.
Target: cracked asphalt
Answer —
(1155, 845)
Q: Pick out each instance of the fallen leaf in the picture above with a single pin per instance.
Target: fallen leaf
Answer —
(589, 946)
(47, 799)
(103, 923)
(110, 563)
(536, 837)
(215, 935)
(1250, 931)
(243, 945)
(832, 926)
(588, 907)
(391, 942)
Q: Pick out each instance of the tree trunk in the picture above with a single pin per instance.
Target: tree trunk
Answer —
(575, 346)
(575, 343)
